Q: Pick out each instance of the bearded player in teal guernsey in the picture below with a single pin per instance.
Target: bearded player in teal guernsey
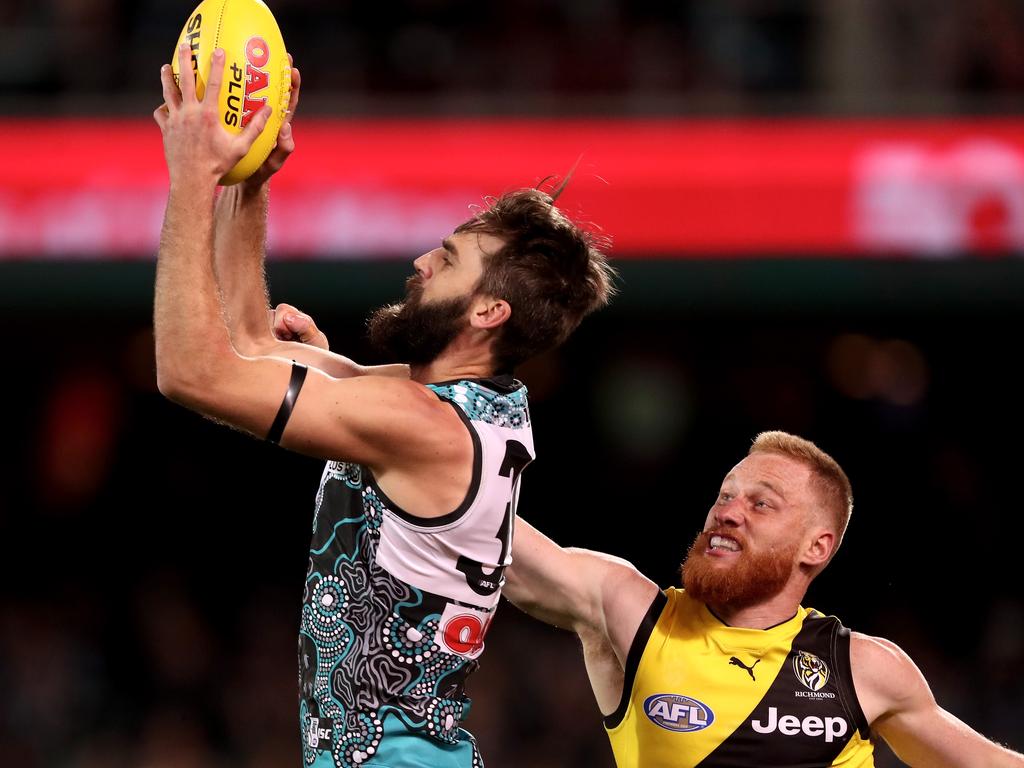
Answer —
(414, 514)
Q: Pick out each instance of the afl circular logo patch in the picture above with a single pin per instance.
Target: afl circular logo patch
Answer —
(811, 671)
(674, 712)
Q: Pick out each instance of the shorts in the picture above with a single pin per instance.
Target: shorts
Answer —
(403, 747)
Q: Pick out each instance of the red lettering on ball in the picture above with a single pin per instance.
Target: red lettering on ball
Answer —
(257, 52)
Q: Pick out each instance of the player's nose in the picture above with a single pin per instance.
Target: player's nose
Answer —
(422, 266)
(729, 513)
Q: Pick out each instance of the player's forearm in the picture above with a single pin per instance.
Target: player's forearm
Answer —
(983, 753)
(240, 227)
(240, 233)
(543, 580)
(1006, 758)
(188, 323)
(334, 365)
(924, 734)
(986, 755)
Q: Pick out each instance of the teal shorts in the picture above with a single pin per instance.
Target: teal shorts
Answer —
(402, 747)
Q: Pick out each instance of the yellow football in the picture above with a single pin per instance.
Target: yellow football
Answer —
(256, 69)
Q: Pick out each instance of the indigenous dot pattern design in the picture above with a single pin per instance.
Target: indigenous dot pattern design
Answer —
(366, 643)
(486, 405)
(360, 742)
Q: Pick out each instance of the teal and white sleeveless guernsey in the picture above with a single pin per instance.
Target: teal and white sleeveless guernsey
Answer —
(396, 607)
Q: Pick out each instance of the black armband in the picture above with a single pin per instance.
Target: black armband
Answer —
(285, 411)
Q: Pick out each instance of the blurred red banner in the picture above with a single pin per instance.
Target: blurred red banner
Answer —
(658, 187)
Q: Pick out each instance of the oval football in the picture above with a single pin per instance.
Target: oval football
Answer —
(256, 70)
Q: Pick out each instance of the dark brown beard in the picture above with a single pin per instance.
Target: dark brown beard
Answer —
(755, 576)
(415, 332)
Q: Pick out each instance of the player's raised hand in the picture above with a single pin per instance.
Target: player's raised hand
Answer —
(196, 146)
(285, 139)
(289, 324)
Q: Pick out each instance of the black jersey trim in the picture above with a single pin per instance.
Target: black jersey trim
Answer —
(636, 652)
(467, 501)
(724, 623)
(841, 655)
(503, 384)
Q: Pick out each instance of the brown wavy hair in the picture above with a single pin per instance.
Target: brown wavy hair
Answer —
(552, 272)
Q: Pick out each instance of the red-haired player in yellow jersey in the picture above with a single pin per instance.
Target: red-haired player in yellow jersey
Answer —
(732, 671)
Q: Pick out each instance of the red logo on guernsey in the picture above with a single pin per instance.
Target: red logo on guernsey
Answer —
(462, 631)
(257, 54)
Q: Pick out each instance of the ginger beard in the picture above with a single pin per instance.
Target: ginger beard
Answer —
(753, 577)
(414, 331)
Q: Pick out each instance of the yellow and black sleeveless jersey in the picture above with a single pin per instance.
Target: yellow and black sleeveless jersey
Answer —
(701, 693)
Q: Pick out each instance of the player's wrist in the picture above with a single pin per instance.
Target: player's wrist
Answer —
(194, 184)
(253, 189)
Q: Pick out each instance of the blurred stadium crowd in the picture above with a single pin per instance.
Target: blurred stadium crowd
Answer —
(539, 56)
(151, 563)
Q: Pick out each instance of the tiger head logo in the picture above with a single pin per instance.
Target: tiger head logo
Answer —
(811, 671)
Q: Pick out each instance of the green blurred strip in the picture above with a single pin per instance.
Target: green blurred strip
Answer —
(660, 285)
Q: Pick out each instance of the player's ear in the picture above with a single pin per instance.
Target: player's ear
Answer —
(490, 313)
(819, 549)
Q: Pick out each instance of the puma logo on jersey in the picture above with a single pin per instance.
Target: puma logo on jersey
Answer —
(750, 670)
(831, 728)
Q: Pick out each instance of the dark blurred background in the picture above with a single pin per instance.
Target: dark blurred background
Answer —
(605, 56)
(152, 561)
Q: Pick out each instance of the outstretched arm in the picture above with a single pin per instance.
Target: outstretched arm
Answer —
(900, 706)
(240, 235)
(197, 365)
(574, 589)
(601, 598)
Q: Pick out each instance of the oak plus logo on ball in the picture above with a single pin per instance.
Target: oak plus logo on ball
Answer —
(248, 82)
(675, 712)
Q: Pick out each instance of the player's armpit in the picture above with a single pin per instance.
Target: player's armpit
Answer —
(372, 420)
(900, 707)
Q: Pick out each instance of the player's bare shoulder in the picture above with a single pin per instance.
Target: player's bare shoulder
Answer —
(413, 412)
(379, 421)
(389, 397)
(885, 677)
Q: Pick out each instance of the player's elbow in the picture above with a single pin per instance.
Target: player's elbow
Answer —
(184, 381)
(178, 384)
(191, 367)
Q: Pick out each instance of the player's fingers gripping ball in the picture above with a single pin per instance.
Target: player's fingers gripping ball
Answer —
(256, 70)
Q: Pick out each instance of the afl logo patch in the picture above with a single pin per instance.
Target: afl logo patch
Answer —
(678, 713)
(811, 671)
